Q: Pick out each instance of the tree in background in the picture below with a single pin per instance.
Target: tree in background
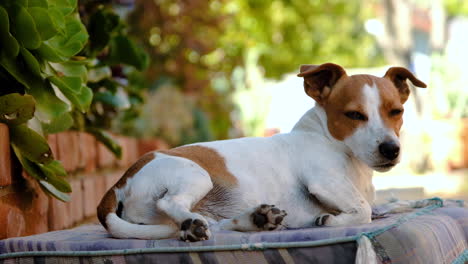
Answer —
(207, 49)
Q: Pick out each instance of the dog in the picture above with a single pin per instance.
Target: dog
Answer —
(319, 174)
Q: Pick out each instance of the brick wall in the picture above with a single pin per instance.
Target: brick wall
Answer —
(25, 209)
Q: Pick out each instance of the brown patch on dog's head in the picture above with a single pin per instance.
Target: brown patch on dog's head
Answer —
(346, 96)
(109, 202)
(207, 158)
(318, 80)
(339, 93)
(398, 76)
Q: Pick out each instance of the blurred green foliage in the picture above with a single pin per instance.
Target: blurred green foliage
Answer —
(293, 32)
(456, 7)
(197, 45)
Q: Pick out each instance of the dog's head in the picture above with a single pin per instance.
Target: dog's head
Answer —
(363, 111)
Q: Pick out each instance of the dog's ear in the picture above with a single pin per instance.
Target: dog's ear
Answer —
(319, 79)
(398, 76)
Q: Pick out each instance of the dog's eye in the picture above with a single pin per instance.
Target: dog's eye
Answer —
(354, 115)
(396, 112)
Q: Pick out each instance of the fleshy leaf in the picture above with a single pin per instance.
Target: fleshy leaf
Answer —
(50, 189)
(16, 109)
(31, 145)
(72, 68)
(78, 94)
(48, 105)
(55, 167)
(31, 62)
(7, 42)
(65, 6)
(38, 3)
(44, 24)
(51, 181)
(58, 124)
(23, 27)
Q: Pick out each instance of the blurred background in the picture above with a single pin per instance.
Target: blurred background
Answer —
(226, 68)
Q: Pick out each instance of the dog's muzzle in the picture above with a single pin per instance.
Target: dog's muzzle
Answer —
(389, 150)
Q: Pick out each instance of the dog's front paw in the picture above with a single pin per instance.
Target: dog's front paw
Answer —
(192, 230)
(268, 217)
(324, 220)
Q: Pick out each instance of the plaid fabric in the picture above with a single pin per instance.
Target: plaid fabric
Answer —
(428, 235)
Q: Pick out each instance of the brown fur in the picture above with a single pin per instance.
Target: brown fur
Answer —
(108, 203)
(398, 76)
(209, 159)
(338, 93)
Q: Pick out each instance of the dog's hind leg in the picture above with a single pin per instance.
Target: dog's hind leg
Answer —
(193, 183)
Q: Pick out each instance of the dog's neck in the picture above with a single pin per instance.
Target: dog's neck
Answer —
(314, 121)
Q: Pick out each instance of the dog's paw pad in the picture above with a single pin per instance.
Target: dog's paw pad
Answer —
(268, 217)
(194, 230)
(323, 220)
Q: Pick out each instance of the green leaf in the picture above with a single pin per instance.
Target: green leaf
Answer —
(16, 109)
(8, 43)
(65, 6)
(49, 176)
(58, 182)
(31, 145)
(38, 3)
(59, 124)
(62, 46)
(50, 189)
(21, 74)
(48, 105)
(50, 53)
(31, 62)
(67, 84)
(55, 167)
(123, 50)
(23, 27)
(78, 94)
(57, 18)
(106, 138)
(72, 69)
(44, 24)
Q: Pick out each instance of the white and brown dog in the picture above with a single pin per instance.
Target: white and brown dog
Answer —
(320, 173)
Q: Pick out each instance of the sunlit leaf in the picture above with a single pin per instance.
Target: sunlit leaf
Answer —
(44, 24)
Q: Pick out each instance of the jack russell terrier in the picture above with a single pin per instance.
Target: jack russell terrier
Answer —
(318, 174)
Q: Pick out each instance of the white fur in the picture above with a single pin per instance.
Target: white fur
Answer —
(365, 140)
(284, 170)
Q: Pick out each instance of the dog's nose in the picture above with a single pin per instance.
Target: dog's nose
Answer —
(389, 150)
